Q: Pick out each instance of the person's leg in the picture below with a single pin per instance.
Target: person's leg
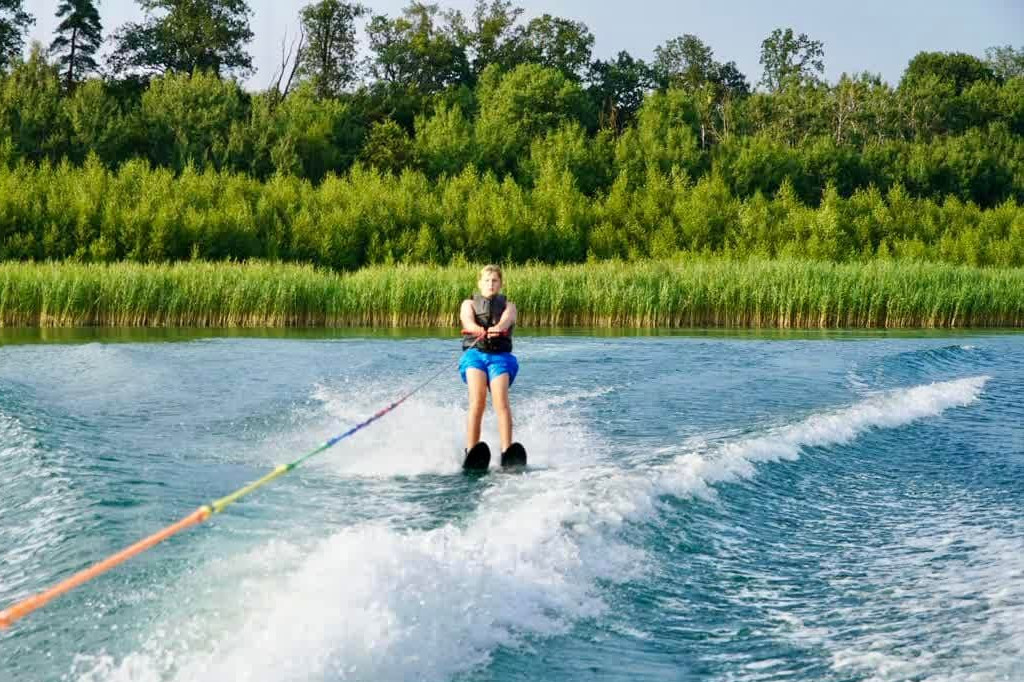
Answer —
(499, 399)
(476, 380)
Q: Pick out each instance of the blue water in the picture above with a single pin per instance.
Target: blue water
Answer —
(698, 508)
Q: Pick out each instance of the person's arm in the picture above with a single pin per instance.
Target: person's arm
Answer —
(468, 319)
(508, 319)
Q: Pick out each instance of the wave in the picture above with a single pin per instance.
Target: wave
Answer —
(38, 508)
(694, 473)
(935, 362)
(373, 601)
(958, 570)
(426, 436)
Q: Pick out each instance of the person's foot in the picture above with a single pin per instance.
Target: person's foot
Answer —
(514, 456)
(477, 457)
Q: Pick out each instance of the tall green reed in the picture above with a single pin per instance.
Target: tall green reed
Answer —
(685, 292)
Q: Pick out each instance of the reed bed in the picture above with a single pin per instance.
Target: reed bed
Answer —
(695, 292)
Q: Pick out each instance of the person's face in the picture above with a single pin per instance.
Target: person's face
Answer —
(490, 284)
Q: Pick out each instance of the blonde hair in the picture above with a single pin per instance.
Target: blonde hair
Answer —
(496, 269)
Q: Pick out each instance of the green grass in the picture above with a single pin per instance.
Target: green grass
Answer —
(680, 293)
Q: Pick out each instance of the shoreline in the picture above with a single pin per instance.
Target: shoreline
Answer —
(107, 335)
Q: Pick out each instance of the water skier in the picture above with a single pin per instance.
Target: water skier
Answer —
(488, 320)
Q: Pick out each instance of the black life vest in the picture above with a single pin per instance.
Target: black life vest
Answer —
(488, 312)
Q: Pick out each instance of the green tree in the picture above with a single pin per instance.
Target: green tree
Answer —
(415, 52)
(556, 43)
(491, 37)
(521, 105)
(328, 59)
(861, 109)
(956, 68)
(926, 104)
(786, 57)
(664, 139)
(387, 147)
(732, 80)
(30, 107)
(569, 148)
(688, 63)
(95, 123)
(188, 118)
(685, 62)
(799, 111)
(444, 141)
(302, 135)
(618, 88)
(315, 137)
(184, 36)
(1011, 104)
(1005, 61)
(14, 23)
(79, 35)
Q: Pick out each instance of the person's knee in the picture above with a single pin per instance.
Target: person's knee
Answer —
(500, 402)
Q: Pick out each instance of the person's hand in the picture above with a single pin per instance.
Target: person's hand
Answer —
(492, 332)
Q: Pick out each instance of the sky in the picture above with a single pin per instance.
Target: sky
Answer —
(879, 36)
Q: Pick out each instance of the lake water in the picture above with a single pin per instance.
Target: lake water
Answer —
(698, 507)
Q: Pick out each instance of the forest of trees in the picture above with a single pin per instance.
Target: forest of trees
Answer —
(511, 116)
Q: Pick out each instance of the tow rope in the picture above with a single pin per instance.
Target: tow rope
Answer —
(21, 609)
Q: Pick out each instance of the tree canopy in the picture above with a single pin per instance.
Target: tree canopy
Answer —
(78, 37)
(416, 51)
(14, 23)
(790, 58)
(327, 60)
(443, 93)
(1006, 61)
(186, 36)
(955, 68)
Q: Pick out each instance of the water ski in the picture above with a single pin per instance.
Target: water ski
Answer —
(478, 458)
(515, 456)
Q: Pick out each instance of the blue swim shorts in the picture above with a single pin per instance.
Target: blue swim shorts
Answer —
(495, 364)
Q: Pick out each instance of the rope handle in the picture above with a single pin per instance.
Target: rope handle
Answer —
(504, 332)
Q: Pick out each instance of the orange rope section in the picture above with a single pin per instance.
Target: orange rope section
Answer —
(27, 606)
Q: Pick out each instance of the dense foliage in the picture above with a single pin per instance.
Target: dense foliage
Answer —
(14, 24)
(490, 137)
(368, 216)
(685, 292)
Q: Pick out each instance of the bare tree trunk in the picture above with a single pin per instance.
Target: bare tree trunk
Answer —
(293, 56)
(297, 61)
(71, 60)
